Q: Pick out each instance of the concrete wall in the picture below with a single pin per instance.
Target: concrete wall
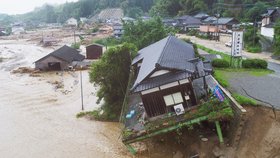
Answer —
(43, 64)
(267, 32)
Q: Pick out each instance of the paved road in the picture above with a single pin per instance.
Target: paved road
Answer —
(219, 46)
(265, 88)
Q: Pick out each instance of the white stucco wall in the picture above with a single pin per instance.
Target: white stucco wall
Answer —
(268, 32)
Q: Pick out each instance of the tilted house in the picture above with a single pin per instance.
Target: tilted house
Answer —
(60, 59)
(165, 71)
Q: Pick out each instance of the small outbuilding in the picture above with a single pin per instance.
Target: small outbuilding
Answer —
(94, 51)
(60, 59)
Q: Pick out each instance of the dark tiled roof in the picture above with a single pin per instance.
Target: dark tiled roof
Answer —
(210, 19)
(67, 54)
(221, 21)
(161, 80)
(188, 20)
(201, 15)
(224, 20)
(168, 53)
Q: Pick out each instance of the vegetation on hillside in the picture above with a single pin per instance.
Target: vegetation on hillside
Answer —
(83, 8)
(246, 10)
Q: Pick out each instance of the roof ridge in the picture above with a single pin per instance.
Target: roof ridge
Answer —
(162, 52)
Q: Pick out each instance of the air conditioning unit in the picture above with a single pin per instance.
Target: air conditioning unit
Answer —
(179, 109)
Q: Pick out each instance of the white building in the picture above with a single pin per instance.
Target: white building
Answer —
(268, 21)
(72, 22)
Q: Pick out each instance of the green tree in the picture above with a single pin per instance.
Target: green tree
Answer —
(144, 33)
(276, 44)
(111, 74)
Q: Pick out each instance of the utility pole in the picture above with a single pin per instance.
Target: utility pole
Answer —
(254, 35)
(74, 37)
(81, 80)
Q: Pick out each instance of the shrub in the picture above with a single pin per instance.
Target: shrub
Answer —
(192, 32)
(220, 63)
(254, 49)
(244, 100)
(221, 78)
(76, 45)
(254, 63)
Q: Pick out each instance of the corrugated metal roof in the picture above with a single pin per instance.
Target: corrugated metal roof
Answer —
(168, 53)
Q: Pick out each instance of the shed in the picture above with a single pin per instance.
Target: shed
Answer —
(94, 51)
(60, 59)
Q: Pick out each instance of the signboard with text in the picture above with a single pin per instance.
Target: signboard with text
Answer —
(237, 43)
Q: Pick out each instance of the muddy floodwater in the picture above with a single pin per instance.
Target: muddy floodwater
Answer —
(38, 120)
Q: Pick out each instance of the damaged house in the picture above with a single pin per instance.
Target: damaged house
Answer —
(165, 71)
(61, 59)
(170, 89)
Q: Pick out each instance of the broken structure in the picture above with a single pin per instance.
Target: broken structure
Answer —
(171, 90)
(60, 59)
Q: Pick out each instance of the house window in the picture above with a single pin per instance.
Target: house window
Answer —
(173, 99)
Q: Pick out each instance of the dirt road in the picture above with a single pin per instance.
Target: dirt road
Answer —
(38, 120)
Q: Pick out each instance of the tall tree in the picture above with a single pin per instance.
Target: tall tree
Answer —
(111, 74)
(144, 33)
(276, 44)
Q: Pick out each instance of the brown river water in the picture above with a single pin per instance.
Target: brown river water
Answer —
(37, 120)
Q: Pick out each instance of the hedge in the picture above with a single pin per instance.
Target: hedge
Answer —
(220, 63)
(254, 63)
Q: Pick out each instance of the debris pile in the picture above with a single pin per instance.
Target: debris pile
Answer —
(24, 70)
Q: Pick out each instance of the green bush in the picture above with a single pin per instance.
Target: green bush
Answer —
(110, 41)
(244, 100)
(254, 63)
(220, 63)
(76, 45)
(192, 32)
(254, 49)
(202, 36)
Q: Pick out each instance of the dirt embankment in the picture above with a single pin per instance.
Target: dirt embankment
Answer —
(261, 134)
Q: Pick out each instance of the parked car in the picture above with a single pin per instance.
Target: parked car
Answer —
(228, 44)
(229, 31)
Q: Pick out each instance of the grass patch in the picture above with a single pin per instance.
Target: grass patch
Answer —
(109, 42)
(254, 49)
(211, 51)
(244, 100)
(253, 72)
(220, 76)
(82, 114)
(95, 115)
